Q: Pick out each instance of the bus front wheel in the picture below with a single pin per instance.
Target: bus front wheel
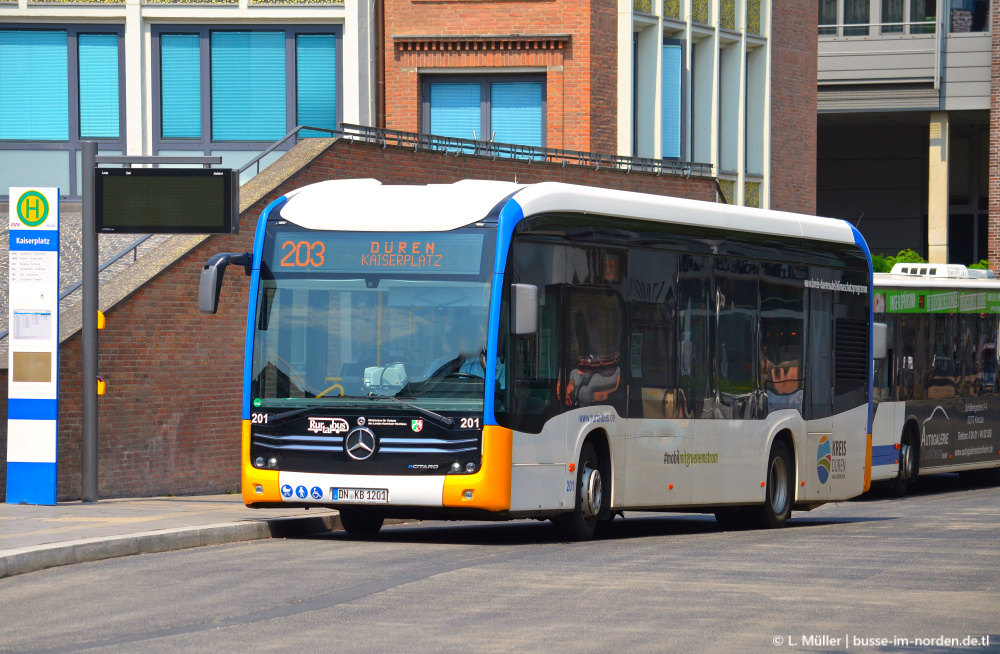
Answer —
(359, 522)
(581, 523)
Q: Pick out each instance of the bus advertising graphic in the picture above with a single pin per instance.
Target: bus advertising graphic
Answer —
(824, 459)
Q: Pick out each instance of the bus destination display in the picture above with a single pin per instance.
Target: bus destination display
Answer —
(166, 201)
(410, 253)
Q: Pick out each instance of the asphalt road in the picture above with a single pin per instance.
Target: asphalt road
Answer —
(922, 567)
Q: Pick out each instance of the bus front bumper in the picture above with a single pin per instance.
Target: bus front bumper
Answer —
(487, 489)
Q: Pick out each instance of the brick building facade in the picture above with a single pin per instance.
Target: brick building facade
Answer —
(170, 421)
(571, 42)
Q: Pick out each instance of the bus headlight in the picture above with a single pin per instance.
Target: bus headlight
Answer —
(470, 467)
(259, 462)
(456, 467)
(272, 462)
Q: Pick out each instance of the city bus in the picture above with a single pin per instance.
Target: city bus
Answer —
(936, 393)
(488, 350)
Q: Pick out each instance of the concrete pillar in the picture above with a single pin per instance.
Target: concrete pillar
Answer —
(134, 79)
(937, 189)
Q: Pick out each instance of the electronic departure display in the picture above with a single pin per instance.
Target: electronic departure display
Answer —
(410, 253)
(166, 200)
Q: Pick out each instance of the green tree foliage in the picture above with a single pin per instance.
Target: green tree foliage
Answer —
(982, 265)
(884, 264)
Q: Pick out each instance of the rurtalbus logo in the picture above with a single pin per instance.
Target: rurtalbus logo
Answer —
(32, 209)
(824, 459)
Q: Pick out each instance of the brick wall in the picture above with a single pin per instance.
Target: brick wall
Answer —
(170, 421)
(794, 47)
(994, 173)
(581, 113)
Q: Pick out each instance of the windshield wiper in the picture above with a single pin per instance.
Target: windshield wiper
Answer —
(288, 415)
(445, 420)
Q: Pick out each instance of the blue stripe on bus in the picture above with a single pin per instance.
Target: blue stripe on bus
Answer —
(884, 455)
(860, 241)
(258, 248)
(510, 216)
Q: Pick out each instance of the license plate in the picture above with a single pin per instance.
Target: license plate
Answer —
(360, 495)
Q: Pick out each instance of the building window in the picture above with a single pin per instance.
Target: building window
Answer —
(501, 108)
(99, 96)
(223, 89)
(57, 87)
(671, 118)
(970, 16)
(34, 86)
(248, 86)
(180, 85)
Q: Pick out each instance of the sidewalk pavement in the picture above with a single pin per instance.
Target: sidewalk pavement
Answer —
(37, 537)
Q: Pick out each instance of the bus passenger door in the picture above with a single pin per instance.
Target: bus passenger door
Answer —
(660, 414)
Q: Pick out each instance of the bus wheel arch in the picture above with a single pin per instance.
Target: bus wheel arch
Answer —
(601, 443)
(786, 436)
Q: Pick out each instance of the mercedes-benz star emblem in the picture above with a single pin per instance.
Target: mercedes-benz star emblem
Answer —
(360, 444)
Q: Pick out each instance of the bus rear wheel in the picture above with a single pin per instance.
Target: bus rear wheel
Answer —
(907, 466)
(359, 522)
(581, 523)
(779, 490)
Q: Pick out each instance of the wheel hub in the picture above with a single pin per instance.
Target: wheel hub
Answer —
(591, 492)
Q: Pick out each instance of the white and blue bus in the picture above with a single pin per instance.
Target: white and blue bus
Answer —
(937, 394)
(487, 350)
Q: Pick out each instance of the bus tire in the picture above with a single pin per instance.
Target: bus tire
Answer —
(779, 490)
(581, 522)
(359, 522)
(908, 465)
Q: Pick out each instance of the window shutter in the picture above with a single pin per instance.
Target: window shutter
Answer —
(248, 86)
(516, 113)
(671, 118)
(34, 86)
(99, 96)
(180, 86)
(455, 109)
(316, 81)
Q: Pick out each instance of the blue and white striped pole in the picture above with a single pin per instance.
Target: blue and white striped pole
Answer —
(33, 346)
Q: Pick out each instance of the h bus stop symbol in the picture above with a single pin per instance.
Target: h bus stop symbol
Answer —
(32, 209)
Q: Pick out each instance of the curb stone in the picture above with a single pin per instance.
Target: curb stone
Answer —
(30, 559)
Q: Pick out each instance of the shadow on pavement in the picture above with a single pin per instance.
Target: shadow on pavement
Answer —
(528, 532)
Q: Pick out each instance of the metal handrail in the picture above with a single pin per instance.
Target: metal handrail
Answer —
(134, 247)
(277, 144)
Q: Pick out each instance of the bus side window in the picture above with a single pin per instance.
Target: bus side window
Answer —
(736, 374)
(694, 337)
(782, 326)
(593, 323)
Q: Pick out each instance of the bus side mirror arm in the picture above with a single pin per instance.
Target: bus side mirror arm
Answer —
(880, 340)
(524, 301)
(210, 284)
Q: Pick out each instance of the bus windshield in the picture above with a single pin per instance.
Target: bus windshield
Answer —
(326, 335)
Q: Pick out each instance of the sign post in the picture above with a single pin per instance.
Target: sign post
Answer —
(33, 346)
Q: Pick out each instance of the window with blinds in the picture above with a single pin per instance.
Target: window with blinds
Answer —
(671, 101)
(99, 96)
(501, 108)
(316, 81)
(34, 85)
(180, 86)
(248, 86)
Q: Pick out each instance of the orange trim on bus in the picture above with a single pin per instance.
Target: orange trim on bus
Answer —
(490, 486)
(868, 465)
(252, 476)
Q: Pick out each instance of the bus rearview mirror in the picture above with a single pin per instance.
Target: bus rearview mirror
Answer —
(524, 300)
(880, 340)
(210, 283)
